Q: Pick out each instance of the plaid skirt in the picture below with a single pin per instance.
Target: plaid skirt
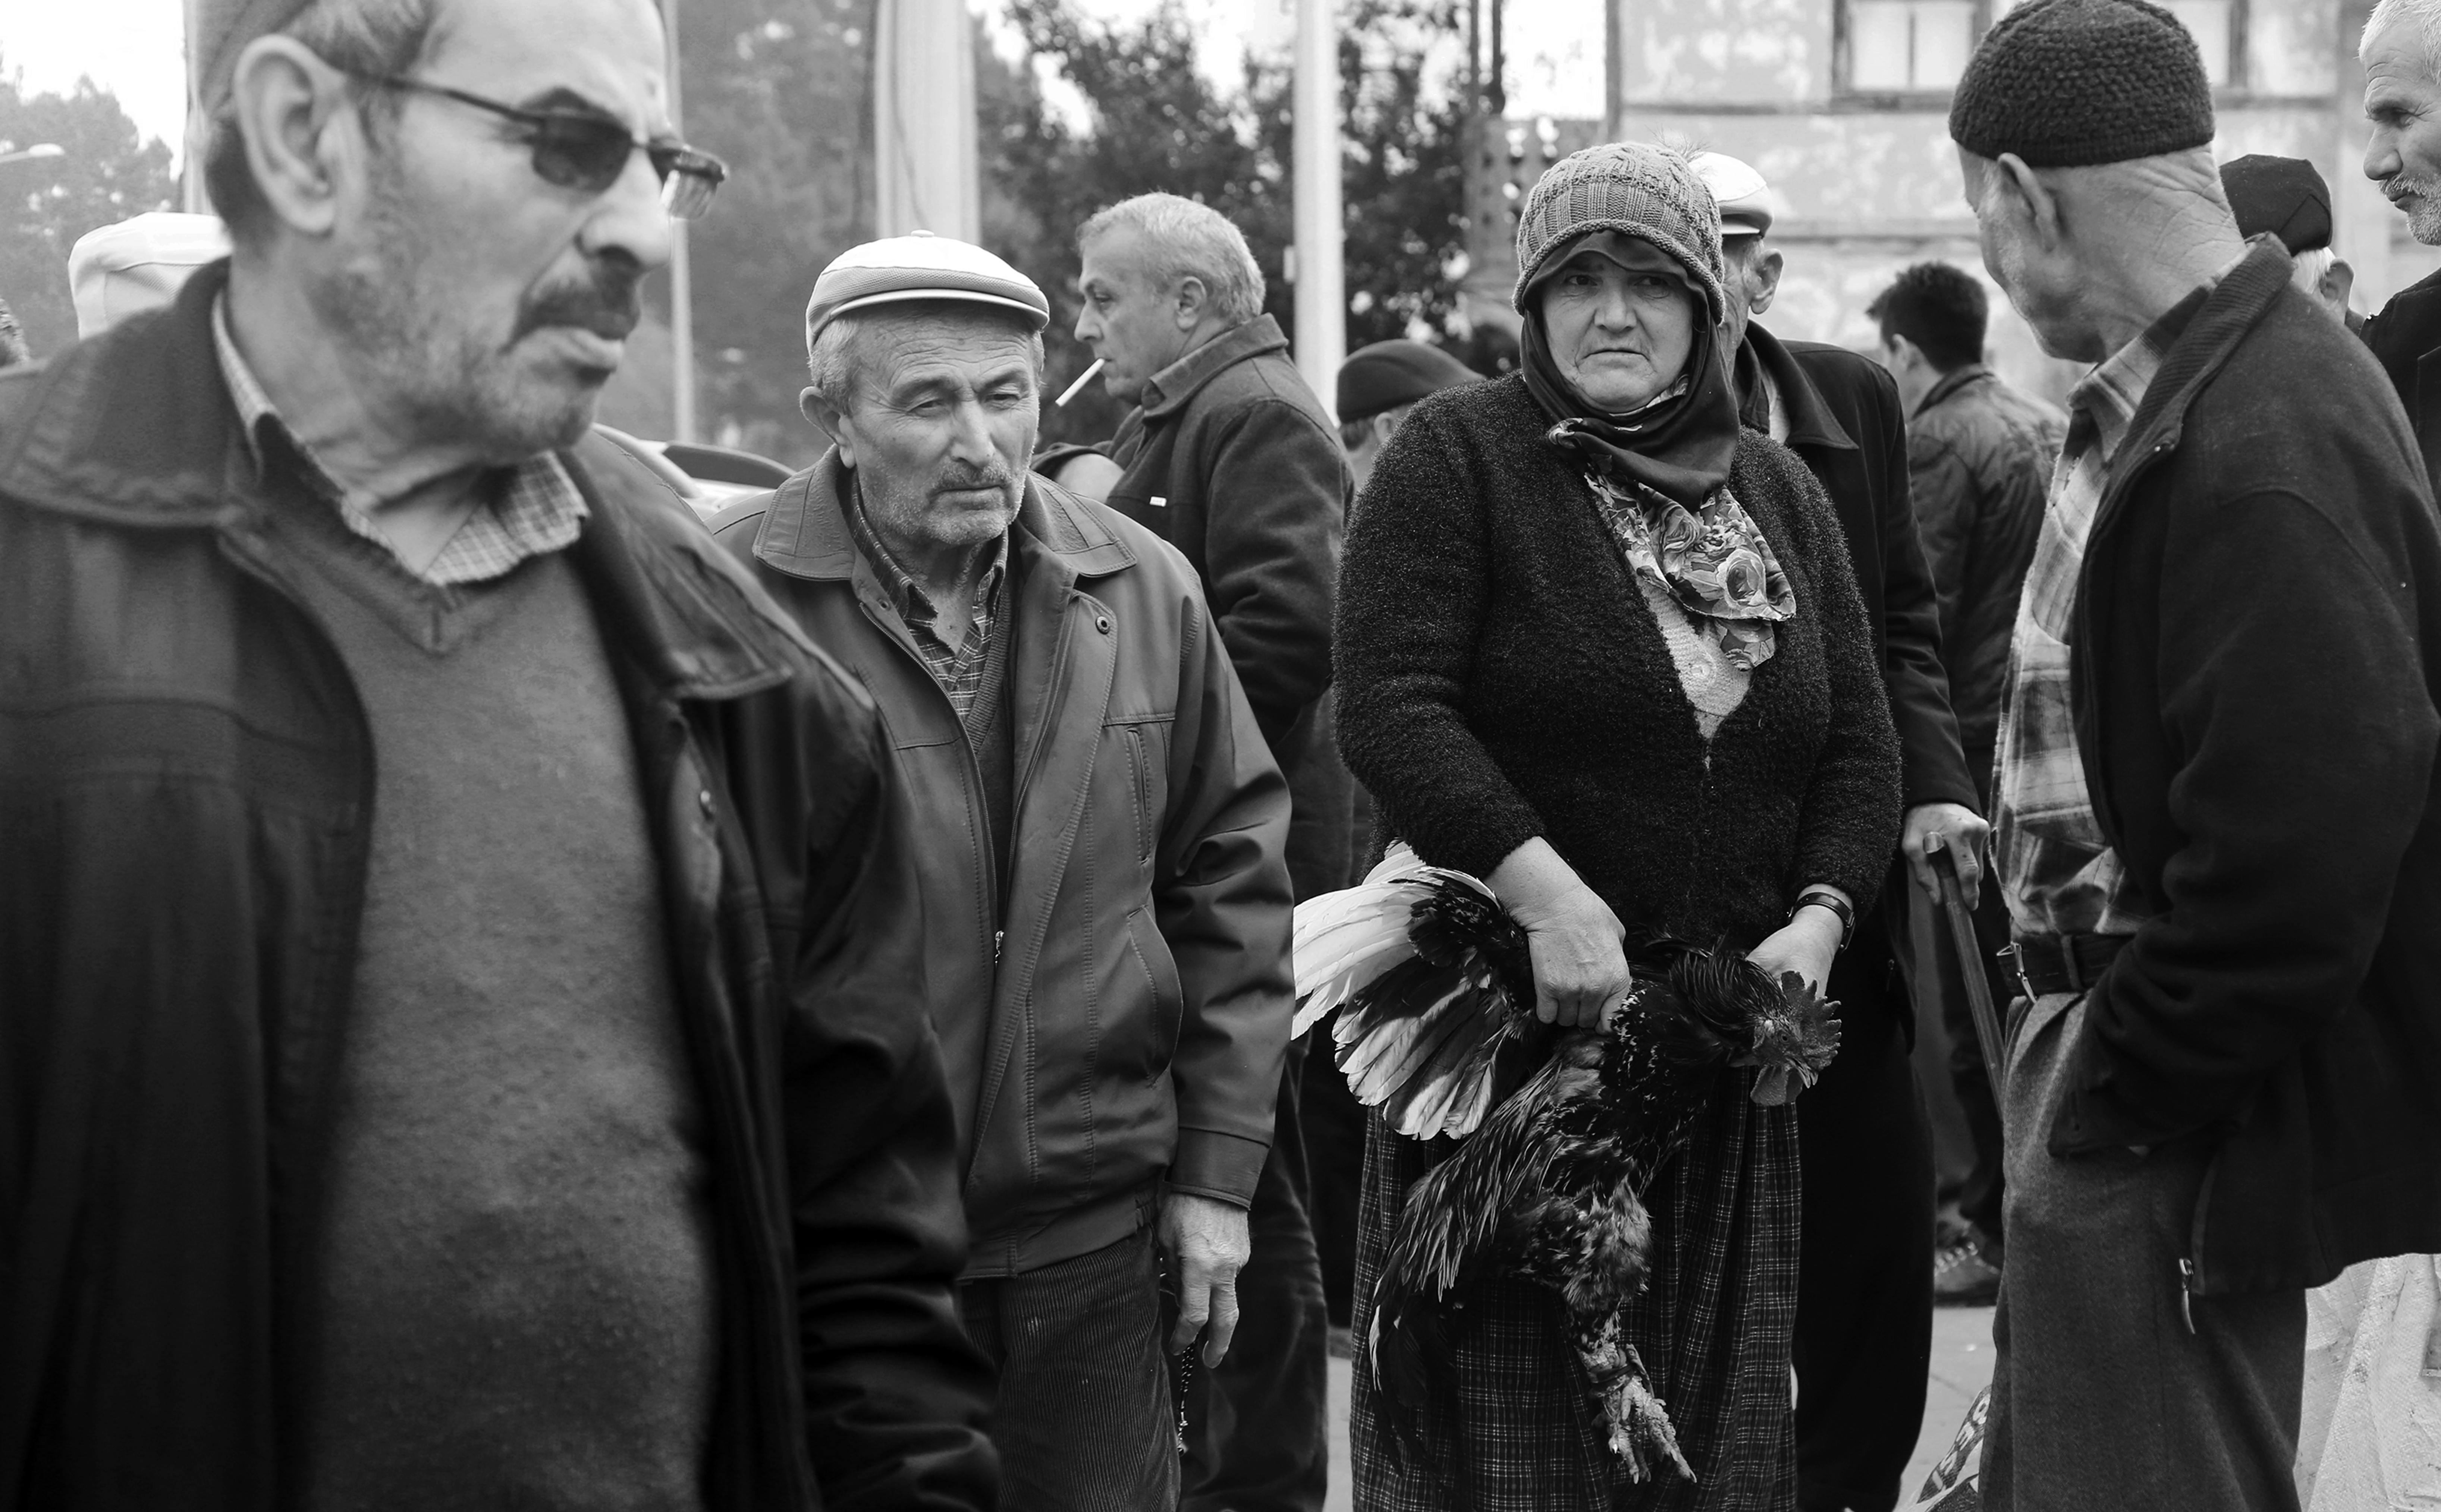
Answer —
(1518, 1431)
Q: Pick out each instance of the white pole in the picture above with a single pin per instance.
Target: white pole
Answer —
(926, 176)
(1321, 284)
(682, 427)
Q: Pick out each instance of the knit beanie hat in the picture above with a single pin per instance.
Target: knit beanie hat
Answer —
(2283, 195)
(1637, 188)
(2068, 84)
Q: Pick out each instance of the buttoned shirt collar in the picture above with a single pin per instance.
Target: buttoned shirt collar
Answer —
(532, 511)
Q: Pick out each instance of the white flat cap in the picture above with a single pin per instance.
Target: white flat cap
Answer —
(1748, 204)
(921, 266)
(116, 270)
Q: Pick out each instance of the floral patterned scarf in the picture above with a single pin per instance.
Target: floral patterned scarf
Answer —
(1713, 560)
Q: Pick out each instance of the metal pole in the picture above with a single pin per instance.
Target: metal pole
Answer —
(1321, 291)
(192, 195)
(682, 427)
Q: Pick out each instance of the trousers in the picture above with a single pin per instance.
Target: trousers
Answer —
(1864, 1289)
(2113, 1387)
(1083, 1417)
(1257, 1424)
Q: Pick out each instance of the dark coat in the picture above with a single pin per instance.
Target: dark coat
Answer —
(1845, 420)
(184, 789)
(1230, 458)
(1139, 1010)
(1979, 458)
(1501, 678)
(2256, 672)
(2406, 340)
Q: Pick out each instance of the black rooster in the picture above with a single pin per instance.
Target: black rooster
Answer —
(1436, 1027)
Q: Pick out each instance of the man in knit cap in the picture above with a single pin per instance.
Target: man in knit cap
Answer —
(1864, 1309)
(2401, 51)
(1101, 832)
(459, 993)
(2216, 834)
(2286, 198)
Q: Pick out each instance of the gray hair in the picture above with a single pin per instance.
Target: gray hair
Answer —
(837, 359)
(1189, 241)
(2422, 16)
(366, 37)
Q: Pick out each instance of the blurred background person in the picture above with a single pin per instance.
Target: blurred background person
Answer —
(1864, 1315)
(1105, 893)
(1228, 456)
(1617, 737)
(2401, 53)
(1377, 386)
(12, 341)
(2286, 198)
(1979, 456)
(138, 263)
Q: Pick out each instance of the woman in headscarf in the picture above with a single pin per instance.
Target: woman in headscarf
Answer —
(1603, 649)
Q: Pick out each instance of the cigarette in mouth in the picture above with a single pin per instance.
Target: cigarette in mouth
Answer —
(1082, 379)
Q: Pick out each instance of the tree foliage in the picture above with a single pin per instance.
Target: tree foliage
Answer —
(107, 173)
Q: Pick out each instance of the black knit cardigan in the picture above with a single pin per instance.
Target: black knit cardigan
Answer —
(1501, 676)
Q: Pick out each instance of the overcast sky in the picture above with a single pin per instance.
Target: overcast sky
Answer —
(134, 50)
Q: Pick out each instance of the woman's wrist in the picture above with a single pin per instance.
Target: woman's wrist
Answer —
(1823, 904)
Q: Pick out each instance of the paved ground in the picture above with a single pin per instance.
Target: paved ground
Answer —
(1961, 1365)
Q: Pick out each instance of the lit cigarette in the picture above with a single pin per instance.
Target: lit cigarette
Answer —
(1082, 379)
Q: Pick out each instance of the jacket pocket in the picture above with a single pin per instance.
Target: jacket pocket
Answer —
(1151, 953)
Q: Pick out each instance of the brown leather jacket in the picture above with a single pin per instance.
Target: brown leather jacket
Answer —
(1135, 977)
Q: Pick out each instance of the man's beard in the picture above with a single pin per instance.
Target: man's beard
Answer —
(2424, 216)
(442, 380)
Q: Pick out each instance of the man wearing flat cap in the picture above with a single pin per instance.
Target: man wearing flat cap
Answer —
(1378, 384)
(459, 987)
(2216, 830)
(1864, 1309)
(1099, 829)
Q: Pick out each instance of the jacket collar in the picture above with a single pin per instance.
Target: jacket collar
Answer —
(1952, 381)
(1810, 420)
(136, 429)
(804, 531)
(1178, 383)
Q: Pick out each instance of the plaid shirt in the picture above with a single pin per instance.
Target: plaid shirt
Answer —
(958, 668)
(2057, 873)
(533, 512)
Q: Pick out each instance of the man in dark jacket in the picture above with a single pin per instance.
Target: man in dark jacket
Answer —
(1979, 455)
(2403, 155)
(1864, 1307)
(2218, 837)
(1099, 830)
(1228, 457)
(450, 1052)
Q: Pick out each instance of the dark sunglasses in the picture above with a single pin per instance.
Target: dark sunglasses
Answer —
(576, 150)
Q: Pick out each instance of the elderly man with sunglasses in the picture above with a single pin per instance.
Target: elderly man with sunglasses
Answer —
(461, 991)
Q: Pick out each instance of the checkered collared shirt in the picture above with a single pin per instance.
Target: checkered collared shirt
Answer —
(2057, 872)
(958, 668)
(534, 510)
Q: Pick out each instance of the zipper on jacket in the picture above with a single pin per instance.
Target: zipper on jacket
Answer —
(2187, 1292)
(997, 936)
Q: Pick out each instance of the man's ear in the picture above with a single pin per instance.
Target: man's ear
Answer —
(1190, 303)
(2024, 195)
(1765, 279)
(301, 137)
(2339, 282)
(1904, 355)
(830, 422)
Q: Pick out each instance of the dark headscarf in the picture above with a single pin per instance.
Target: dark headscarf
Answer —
(1680, 446)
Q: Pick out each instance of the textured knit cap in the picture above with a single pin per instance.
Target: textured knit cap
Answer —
(116, 270)
(2066, 83)
(921, 266)
(1389, 373)
(1745, 198)
(2283, 195)
(1633, 187)
(221, 29)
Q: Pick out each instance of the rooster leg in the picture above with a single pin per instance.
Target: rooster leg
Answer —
(1636, 1425)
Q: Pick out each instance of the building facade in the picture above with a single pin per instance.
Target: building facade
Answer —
(1843, 105)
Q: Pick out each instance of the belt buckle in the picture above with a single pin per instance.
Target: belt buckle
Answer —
(2017, 954)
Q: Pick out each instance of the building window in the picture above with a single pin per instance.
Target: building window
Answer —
(1908, 46)
(1921, 46)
